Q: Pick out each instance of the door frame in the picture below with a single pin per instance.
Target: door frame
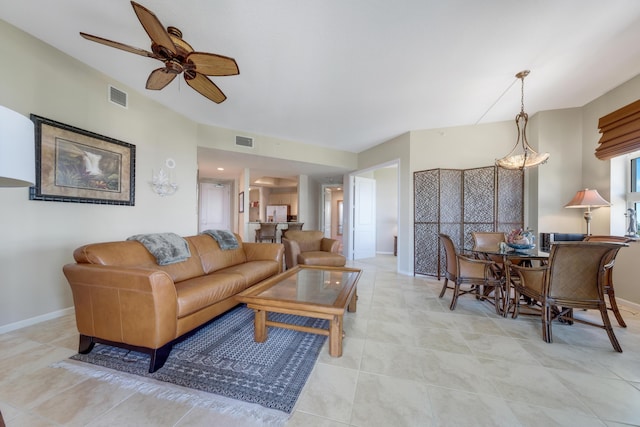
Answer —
(229, 185)
(322, 206)
(349, 204)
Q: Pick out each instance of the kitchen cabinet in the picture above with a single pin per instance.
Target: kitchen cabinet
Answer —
(289, 198)
(280, 199)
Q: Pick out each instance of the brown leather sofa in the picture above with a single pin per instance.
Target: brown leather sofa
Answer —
(122, 297)
(310, 247)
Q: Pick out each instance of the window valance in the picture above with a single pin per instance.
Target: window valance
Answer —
(620, 132)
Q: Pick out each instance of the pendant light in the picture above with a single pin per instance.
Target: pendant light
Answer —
(522, 156)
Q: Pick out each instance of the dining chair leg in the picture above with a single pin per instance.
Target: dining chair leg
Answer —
(546, 323)
(444, 287)
(497, 293)
(456, 292)
(614, 307)
(609, 329)
(515, 303)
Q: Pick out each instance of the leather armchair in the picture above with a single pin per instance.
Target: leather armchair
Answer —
(310, 247)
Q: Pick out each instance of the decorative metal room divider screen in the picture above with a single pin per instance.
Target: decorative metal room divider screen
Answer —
(456, 202)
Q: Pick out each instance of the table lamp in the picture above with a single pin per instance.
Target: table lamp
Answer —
(587, 199)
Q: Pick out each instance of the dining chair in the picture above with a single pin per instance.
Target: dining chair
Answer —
(608, 283)
(464, 270)
(292, 226)
(573, 278)
(487, 240)
(490, 241)
(295, 226)
(267, 231)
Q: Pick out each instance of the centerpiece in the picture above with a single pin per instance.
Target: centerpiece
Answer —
(521, 239)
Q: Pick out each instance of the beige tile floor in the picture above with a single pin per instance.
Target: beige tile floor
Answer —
(408, 361)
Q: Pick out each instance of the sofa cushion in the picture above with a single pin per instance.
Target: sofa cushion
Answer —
(254, 271)
(131, 253)
(201, 292)
(330, 259)
(212, 257)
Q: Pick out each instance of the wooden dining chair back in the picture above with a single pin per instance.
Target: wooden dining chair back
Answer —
(267, 231)
(608, 283)
(487, 240)
(472, 272)
(490, 241)
(295, 226)
(574, 278)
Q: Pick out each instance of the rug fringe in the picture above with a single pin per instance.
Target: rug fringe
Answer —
(223, 405)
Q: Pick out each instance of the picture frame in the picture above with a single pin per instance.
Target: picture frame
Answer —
(241, 202)
(75, 165)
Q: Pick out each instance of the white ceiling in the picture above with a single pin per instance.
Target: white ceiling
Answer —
(350, 74)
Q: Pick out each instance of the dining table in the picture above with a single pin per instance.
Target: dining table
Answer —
(503, 257)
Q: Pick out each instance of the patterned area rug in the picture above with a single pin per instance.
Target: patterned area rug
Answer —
(222, 358)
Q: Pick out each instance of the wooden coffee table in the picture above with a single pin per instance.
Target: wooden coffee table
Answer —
(311, 291)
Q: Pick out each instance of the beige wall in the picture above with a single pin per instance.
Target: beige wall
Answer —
(224, 139)
(38, 238)
(396, 151)
(569, 135)
(597, 174)
(386, 208)
(553, 184)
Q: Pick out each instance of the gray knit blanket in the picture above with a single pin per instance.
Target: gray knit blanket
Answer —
(226, 239)
(167, 248)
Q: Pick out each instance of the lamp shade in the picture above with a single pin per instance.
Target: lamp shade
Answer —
(587, 199)
(17, 149)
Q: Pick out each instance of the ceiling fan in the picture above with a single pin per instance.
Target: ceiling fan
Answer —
(178, 57)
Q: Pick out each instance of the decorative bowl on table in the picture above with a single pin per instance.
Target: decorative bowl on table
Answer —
(521, 246)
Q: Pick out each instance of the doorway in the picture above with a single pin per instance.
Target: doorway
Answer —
(385, 215)
(333, 212)
(214, 206)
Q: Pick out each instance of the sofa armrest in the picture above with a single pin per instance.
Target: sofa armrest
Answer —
(108, 300)
(291, 252)
(329, 245)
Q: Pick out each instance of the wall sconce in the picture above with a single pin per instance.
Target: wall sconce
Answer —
(162, 183)
(17, 150)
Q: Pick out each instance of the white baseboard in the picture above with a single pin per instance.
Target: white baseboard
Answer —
(34, 320)
(630, 304)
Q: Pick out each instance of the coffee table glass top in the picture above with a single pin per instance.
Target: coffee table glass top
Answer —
(314, 286)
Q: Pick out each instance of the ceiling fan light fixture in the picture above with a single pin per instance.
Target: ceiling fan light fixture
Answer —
(178, 57)
(522, 156)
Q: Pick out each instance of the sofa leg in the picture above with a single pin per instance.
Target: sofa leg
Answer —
(86, 344)
(159, 356)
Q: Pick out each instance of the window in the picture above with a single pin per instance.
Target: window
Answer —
(633, 196)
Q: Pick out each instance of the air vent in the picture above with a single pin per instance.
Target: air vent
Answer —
(117, 96)
(244, 141)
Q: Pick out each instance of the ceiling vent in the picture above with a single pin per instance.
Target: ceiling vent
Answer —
(244, 141)
(117, 96)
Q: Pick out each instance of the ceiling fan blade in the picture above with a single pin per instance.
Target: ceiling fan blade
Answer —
(159, 78)
(211, 64)
(153, 27)
(206, 87)
(118, 45)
